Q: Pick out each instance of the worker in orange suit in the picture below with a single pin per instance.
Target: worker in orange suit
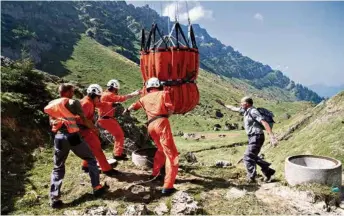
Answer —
(107, 120)
(88, 104)
(158, 107)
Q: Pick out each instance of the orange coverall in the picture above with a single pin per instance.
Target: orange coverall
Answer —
(109, 123)
(159, 103)
(90, 136)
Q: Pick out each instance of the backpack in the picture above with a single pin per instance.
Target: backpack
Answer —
(267, 115)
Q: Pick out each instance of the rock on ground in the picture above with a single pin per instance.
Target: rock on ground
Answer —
(302, 202)
(235, 193)
(191, 157)
(101, 210)
(71, 212)
(161, 209)
(136, 210)
(184, 204)
(223, 164)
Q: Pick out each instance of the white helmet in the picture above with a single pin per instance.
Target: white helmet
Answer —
(153, 83)
(95, 89)
(113, 83)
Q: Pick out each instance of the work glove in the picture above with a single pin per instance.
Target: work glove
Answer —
(273, 140)
(135, 93)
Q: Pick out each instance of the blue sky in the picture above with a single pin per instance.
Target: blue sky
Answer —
(305, 40)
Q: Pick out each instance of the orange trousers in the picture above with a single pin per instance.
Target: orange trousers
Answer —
(115, 129)
(167, 154)
(93, 142)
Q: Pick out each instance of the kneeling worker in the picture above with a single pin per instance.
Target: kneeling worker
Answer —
(63, 113)
(158, 107)
(89, 103)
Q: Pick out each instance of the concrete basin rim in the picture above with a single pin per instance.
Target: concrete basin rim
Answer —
(338, 162)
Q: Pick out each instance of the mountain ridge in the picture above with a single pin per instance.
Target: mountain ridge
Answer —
(47, 37)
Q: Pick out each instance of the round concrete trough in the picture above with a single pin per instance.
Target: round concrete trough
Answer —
(144, 157)
(302, 169)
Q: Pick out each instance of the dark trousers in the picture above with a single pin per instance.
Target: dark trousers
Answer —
(251, 158)
(63, 143)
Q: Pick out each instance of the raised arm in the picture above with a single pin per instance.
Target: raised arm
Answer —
(233, 108)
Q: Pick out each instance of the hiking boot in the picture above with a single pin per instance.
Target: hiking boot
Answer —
(168, 191)
(122, 157)
(100, 190)
(56, 204)
(268, 175)
(111, 173)
(85, 169)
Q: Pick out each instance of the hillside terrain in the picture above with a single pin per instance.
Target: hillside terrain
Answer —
(319, 131)
(48, 31)
(30, 172)
(78, 42)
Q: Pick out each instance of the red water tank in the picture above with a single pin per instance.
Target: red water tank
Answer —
(175, 63)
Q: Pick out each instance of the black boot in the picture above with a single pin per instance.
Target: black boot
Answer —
(111, 173)
(85, 169)
(123, 157)
(269, 175)
(168, 191)
(99, 191)
(56, 204)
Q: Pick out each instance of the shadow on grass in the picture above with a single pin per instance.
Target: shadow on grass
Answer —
(121, 194)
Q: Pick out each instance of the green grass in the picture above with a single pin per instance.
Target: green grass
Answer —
(322, 134)
(92, 62)
(76, 184)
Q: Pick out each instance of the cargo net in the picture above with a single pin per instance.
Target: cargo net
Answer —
(174, 60)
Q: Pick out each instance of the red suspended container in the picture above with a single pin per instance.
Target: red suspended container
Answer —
(174, 62)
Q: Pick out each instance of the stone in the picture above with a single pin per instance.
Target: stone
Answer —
(71, 212)
(218, 114)
(136, 210)
(161, 209)
(136, 189)
(184, 204)
(191, 157)
(223, 164)
(101, 210)
(286, 116)
(235, 193)
(217, 125)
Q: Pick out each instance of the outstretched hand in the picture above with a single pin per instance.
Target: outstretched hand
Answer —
(273, 140)
(136, 93)
(220, 102)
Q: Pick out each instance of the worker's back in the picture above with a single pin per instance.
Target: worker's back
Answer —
(156, 103)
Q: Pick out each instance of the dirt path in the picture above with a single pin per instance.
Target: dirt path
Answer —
(299, 202)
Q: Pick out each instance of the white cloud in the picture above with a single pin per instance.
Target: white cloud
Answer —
(259, 17)
(286, 68)
(196, 12)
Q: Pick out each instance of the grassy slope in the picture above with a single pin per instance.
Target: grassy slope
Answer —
(93, 63)
(322, 134)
